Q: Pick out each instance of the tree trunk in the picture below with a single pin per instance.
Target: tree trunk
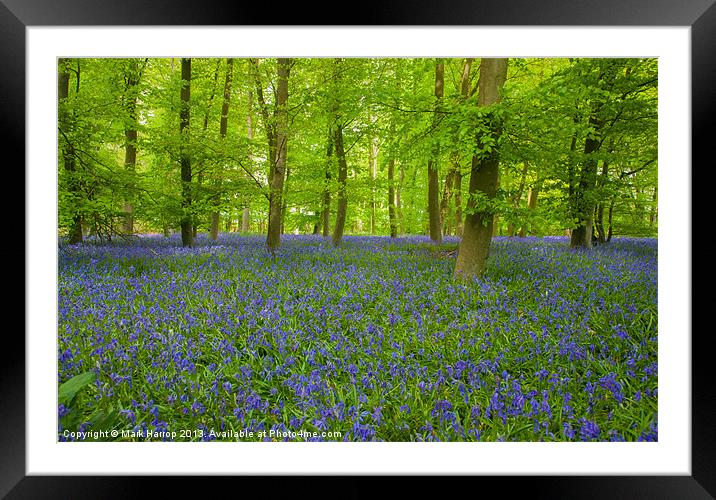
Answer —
(638, 206)
(373, 156)
(273, 239)
(270, 128)
(531, 205)
(214, 229)
(571, 176)
(398, 202)
(326, 209)
(246, 212)
(68, 149)
(411, 204)
(603, 178)
(599, 236)
(245, 215)
(517, 199)
(130, 160)
(207, 111)
(269, 124)
(200, 177)
(609, 219)
(653, 210)
(187, 235)
(342, 176)
(477, 233)
(284, 208)
(582, 234)
(599, 233)
(465, 92)
(391, 198)
(458, 202)
(445, 200)
(433, 180)
(130, 135)
(337, 129)
(223, 126)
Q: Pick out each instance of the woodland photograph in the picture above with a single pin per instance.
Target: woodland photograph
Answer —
(357, 249)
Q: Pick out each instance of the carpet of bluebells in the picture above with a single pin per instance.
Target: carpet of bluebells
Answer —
(374, 340)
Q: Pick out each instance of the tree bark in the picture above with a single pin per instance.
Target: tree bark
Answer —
(458, 201)
(132, 77)
(68, 149)
(433, 180)
(223, 126)
(391, 198)
(187, 235)
(517, 199)
(245, 215)
(411, 204)
(465, 92)
(445, 199)
(326, 209)
(571, 175)
(398, 201)
(609, 219)
(273, 239)
(337, 129)
(214, 230)
(654, 207)
(584, 207)
(284, 202)
(531, 205)
(342, 176)
(269, 125)
(373, 160)
(200, 176)
(639, 210)
(477, 233)
(599, 233)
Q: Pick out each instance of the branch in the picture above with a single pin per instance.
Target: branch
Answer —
(262, 102)
(632, 172)
(244, 168)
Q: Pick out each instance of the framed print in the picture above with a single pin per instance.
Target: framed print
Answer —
(671, 459)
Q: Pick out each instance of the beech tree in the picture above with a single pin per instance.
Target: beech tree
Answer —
(278, 170)
(187, 233)
(477, 232)
(215, 215)
(326, 199)
(337, 136)
(433, 182)
(456, 170)
(67, 148)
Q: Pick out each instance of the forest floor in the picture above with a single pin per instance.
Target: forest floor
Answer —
(371, 341)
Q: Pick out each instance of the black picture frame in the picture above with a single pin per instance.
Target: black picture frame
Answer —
(16, 15)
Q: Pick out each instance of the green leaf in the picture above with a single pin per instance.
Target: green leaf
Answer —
(69, 389)
(104, 420)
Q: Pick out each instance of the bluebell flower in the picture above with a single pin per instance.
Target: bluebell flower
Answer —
(588, 430)
(62, 410)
